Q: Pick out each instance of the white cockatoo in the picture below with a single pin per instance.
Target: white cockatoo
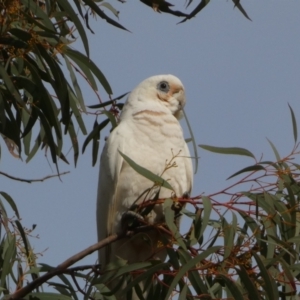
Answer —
(149, 133)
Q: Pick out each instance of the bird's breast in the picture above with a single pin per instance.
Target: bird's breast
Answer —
(158, 126)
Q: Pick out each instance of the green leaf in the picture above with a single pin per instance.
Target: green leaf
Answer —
(101, 14)
(274, 150)
(94, 133)
(95, 148)
(77, 113)
(189, 265)
(228, 150)
(8, 255)
(26, 140)
(75, 85)
(49, 136)
(193, 141)
(23, 236)
(156, 267)
(294, 122)
(59, 83)
(248, 169)
(198, 8)
(193, 276)
(269, 285)
(231, 285)
(74, 141)
(132, 267)
(73, 17)
(170, 221)
(47, 296)
(111, 8)
(11, 88)
(31, 122)
(146, 173)
(47, 105)
(290, 282)
(83, 66)
(40, 15)
(203, 222)
(183, 292)
(2, 113)
(240, 8)
(173, 258)
(106, 103)
(38, 142)
(112, 118)
(255, 228)
(81, 60)
(248, 283)
(229, 233)
(11, 202)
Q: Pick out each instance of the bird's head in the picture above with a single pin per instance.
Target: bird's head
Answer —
(160, 90)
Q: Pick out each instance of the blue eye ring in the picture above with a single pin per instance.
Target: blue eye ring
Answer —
(163, 86)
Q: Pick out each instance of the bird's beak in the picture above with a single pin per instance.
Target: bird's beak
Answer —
(178, 93)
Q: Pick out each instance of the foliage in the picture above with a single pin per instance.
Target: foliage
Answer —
(243, 241)
(36, 96)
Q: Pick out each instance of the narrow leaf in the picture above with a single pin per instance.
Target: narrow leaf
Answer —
(240, 8)
(94, 133)
(274, 150)
(146, 173)
(101, 14)
(231, 285)
(73, 17)
(74, 141)
(198, 8)
(75, 85)
(103, 104)
(190, 264)
(47, 296)
(294, 122)
(111, 117)
(207, 211)
(12, 89)
(269, 285)
(111, 8)
(247, 169)
(170, 220)
(79, 57)
(193, 141)
(11, 202)
(228, 150)
(248, 283)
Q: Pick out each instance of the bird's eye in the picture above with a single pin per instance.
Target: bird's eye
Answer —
(163, 86)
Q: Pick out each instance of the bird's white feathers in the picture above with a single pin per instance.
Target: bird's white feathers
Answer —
(150, 134)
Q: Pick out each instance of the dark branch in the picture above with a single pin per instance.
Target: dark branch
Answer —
(33, 180)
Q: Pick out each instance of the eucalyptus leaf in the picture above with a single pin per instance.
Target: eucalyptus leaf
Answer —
(228, 150)
(146, 173)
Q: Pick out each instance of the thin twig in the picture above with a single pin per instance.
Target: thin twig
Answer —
(33, 180)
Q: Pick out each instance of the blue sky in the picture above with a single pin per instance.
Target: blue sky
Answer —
(239, 78)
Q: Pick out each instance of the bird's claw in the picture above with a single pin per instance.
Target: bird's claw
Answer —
(132, 219)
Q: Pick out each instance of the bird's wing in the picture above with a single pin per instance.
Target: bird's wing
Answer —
(110, 167)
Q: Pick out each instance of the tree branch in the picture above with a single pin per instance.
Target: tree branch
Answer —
(32, 180)
(63, 267)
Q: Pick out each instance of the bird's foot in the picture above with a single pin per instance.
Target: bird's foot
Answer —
(132, 219)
